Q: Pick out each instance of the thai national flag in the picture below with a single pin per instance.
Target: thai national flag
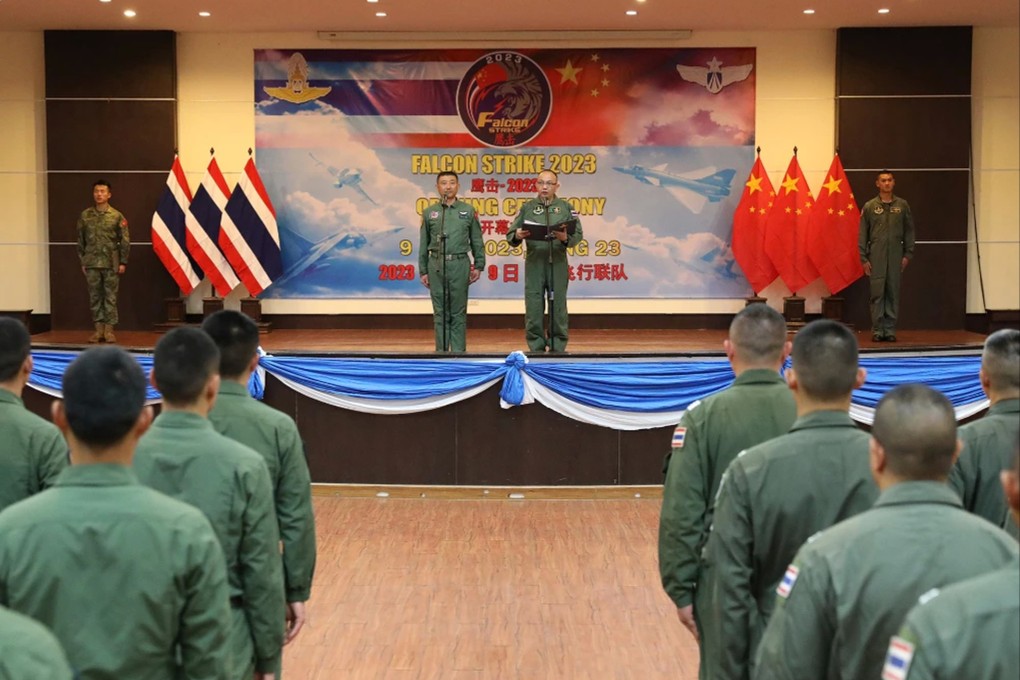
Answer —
(897, 661)
(168, 230)
(203, 224)
(248, 233)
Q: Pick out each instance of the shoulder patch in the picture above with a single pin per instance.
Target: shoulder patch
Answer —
(789, 580)
(123, 221)
(897, 660)
(679, 434)
(928, 596)
(694, 405)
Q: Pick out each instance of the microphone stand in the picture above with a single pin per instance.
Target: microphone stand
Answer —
(551, 286)
(442, 267)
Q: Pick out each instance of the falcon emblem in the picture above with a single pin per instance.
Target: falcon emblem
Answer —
(716, 76)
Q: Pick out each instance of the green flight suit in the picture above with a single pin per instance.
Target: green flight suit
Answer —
(274, 435)
(545, 270)
(132, 583)
(103, 246)
(771, 499)
(850, 587)
(987, 450)
(458, 222)
(756, 407)
(885, 237)
(33, 452)
(28, 651)
(184, 457)
(968, 630)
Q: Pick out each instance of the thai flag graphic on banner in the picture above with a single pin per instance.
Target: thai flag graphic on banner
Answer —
(168, 230)
(248, 233)
(203, 224)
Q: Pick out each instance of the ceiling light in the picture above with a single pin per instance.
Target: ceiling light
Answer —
(631, 12)
(105, 0)
(129, 13)
(204, 14)
(883, 11)
(809, 11)
(373, 1)
(380, 14)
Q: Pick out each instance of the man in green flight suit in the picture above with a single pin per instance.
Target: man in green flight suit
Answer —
(988, 443)
(184, 457)
(28, 651)
(103, 248)
(776, 495)
(273, 434)
(755, 408)
(885, 241)
(33, 453)
(848, 589)
(546, 272)
(449, 232)
(132, 583)
(970, 629)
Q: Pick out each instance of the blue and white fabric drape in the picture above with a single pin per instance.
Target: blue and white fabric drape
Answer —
(619, 394)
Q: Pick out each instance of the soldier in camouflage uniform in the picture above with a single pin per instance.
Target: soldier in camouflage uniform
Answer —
(449, 232)
(103, 247)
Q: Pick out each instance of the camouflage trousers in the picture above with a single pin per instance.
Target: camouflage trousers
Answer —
(103, 285)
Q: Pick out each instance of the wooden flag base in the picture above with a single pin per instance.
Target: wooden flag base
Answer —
(211, 305)
(832, 308)
(175, 314)
(793, 312)
(755, 299)
(252, 308)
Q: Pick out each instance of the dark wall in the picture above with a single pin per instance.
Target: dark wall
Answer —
(903, 103)
(111, 112)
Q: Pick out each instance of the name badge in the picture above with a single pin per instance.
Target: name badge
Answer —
(895, 210)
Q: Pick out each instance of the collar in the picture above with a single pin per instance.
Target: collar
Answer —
(182, 420)
(754, 376)
(823, 419)
(913, 493)
(97, 474)
(233, 388)
(8, 397)
(1004, 407)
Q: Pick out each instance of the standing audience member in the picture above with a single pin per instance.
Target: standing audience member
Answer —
(274, 435)
(775, 496)
(848, 589)
(755, 408)
(131, 582)
(33, 452)
(184, 457)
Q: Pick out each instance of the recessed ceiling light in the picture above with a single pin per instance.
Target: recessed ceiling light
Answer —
(105, 0)
(129, 13)
(883, 11)
(631, 12)
(380, 14)
(809, 11)
(373, 1)
(640, 0)
(204, 14)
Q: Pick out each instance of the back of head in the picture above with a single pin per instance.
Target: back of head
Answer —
(182, 364)
(15, 346)
(1001, 360)
(916, 426)
(825, 358)
(237, 338)
(104, 392)
(758, 335)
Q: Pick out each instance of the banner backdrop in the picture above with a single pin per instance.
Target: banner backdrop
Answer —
(651, 147)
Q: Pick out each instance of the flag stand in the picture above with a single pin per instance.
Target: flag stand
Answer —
(832, 308)
(211, 305)
(755, 299)
(252, 308)
(175, 313)
(793, 311)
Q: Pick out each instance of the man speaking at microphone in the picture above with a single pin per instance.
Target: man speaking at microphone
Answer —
(449, 230)
(545, 264)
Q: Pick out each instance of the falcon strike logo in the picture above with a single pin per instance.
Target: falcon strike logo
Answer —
(504, 99)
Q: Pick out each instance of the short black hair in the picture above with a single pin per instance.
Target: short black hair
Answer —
(1001, 360)
(447, 173)
(237, 338)
(102, 183)
(825, 358)
(916, 426)
(885, 172)
(758, 334)
(104, 392)
(15, 346)
(182, 363)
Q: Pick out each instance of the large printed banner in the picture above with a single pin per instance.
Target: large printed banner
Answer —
(651, 147)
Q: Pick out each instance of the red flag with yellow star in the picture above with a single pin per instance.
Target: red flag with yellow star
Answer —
(786, 230)
(749, 229)
(832, 231)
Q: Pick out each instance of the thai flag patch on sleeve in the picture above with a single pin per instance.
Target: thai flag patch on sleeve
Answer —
(679, 434)
(897, 661)
(786, 585)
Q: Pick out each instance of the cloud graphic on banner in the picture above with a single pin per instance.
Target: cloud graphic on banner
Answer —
(693, 118)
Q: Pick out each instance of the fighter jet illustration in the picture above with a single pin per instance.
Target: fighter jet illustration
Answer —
(302, 256)
(717, 261)
(348, 177)
(693, 189)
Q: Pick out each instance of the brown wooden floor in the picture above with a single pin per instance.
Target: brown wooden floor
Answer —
(489, 589)
(500, 342)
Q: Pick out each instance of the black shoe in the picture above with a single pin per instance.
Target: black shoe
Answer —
(890, 338)
(875, 337)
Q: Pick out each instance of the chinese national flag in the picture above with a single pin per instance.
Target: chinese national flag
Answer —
(786, 230)
(832, 231)
(749, 229)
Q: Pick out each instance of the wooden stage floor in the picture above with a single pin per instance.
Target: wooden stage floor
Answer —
(489, 343)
